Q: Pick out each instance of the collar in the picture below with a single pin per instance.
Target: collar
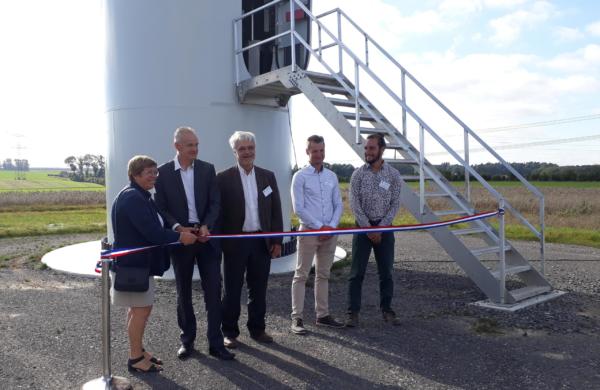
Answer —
(312, 169)
(145, 193)
(178, 166)
(243, 171)
(383, 166)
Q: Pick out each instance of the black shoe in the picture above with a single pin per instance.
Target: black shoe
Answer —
(185, 351)
(221, 353)
(153, 359)
(298, 326)
(130, 362)
(329, 321)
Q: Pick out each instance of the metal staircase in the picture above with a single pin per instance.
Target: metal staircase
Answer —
(347, 108)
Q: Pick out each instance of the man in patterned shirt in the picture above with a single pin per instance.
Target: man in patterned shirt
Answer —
(375, 200)
(318, 203)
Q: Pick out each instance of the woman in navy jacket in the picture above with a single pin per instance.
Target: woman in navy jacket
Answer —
(137, 222)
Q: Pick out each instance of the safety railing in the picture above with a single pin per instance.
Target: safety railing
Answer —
(363, 65)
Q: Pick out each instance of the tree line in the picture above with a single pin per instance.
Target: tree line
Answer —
(16, 164)
(535, 171)
(89, 168)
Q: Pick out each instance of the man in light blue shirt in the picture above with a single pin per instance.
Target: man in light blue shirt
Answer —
(317, 201)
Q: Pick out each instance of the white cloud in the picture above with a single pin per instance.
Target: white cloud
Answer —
(586, 59)
(461, 6)
(594, 28)
(508, 28)
(504, 3)
(568, 34)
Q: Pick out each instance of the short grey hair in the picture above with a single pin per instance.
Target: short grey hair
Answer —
(183, 130)
(241, 136)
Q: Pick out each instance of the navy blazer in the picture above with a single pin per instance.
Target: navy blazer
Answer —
(135, 223)
(172, 202)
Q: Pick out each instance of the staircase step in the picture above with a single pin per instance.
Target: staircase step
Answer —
(342, 102)
(450, 212)
(414, 177)
(461, 232)
(322, 78)
(396, 146)
(512, 270)
(437, 195)
(400, 161)
(489, 249)
(371, 130)
(528, 292)
(333, 89)
(363, 117)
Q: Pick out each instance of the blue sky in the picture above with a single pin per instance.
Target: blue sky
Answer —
(495, 63)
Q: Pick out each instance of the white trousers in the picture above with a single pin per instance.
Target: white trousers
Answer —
(323, 252)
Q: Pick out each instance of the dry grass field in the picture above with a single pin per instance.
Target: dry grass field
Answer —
(572, 213)
(42, 200)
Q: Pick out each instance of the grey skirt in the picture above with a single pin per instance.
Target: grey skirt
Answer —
(129, 298)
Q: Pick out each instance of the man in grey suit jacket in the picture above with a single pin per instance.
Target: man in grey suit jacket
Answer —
(188, 197)
(249, 203)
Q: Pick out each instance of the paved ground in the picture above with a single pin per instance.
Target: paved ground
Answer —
(49, 333)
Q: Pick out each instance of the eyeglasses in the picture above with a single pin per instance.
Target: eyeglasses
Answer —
(150, 172)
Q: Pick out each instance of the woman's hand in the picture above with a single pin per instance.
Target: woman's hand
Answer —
(187, 238)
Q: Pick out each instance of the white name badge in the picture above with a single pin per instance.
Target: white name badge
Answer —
(267, 191)
(385, 185)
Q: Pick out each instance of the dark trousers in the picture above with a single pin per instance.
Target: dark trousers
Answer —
(251, 257)
(384, 256)
(209, 266)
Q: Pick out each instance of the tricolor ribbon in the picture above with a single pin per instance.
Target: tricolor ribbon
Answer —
(329, 232)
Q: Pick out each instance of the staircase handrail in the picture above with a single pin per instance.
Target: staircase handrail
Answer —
(539, 234)
(483, 182)
(295, 36)
(435, 99)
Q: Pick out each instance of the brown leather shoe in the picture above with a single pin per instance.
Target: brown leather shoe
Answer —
(230, 342)
(262, 338)
(390, 317)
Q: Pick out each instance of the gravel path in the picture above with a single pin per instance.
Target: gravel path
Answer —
(49, 332)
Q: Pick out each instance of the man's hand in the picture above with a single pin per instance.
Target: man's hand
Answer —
(325, 238)
(203, 233)
(180, 229)
(187, 238)
(275, 251)
(374, 237)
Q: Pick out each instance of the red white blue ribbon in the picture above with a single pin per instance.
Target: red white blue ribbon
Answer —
(329, 232)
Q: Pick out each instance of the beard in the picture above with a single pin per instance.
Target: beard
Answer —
(372, 160)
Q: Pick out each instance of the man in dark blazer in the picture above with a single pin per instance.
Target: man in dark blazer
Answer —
(188, 197)
(249, 203)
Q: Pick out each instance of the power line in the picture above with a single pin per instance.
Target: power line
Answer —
(529, 144)
(540, 124)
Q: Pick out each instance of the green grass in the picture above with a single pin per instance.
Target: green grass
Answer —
(68, 220)
(559, 235)
(38, 180)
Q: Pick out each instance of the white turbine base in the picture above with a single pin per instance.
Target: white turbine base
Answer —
(80, 259)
